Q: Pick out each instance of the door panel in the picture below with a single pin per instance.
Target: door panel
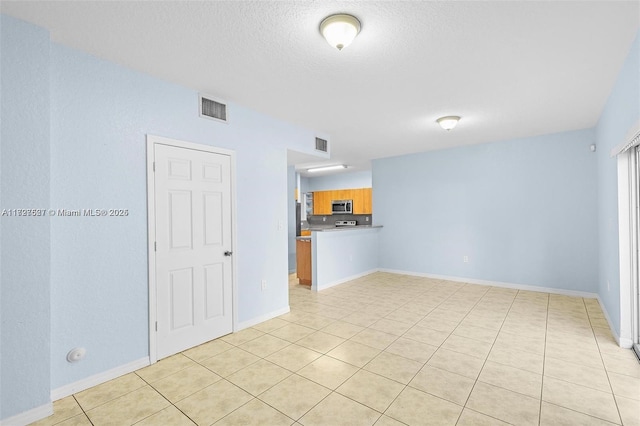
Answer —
(181, 282)
(213, 218)
(193, 231)
(180, 220)
(214, 290)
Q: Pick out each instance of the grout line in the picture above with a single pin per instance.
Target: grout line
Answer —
(167, 399)
(441, 290)
(606, 371)
(487, 357)
(544, 359)
(83, 410)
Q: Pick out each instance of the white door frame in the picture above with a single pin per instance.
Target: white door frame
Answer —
(151, 229)
(626, 224)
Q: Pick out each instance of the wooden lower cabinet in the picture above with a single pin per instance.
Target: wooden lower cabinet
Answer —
(303, 261)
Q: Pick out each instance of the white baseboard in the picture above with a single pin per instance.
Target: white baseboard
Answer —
(622, 342)
(30, 416)
(525, 287)
(262, 318)
(97, 379)
(344, 280)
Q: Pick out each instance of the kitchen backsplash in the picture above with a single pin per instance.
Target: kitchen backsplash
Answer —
(330, 219)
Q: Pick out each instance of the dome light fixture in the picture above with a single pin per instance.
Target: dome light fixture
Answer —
(340, 30)
(448, 122)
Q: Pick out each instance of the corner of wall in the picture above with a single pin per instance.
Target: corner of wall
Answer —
(25, 294)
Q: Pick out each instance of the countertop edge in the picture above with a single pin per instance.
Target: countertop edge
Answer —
(340, 229)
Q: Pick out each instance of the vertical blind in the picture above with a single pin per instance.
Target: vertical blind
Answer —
(632, 140)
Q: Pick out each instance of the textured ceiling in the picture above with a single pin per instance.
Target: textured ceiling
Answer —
(509, 68)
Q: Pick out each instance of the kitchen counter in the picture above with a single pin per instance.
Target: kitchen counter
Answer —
(329, 228)
(349, 228)
(343, 254)
(332, 255)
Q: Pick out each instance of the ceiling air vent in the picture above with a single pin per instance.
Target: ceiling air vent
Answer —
(321, 145)
(213, 109)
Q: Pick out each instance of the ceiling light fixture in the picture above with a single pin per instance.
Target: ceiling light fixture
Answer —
(448, 122)
(325, 168)
(340, 30)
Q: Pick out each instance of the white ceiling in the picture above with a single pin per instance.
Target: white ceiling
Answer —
(509, 68)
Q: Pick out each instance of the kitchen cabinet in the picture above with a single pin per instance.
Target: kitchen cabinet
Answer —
(322, 202)
(362, 203)
(342, 194)
(303, 260)
(361, 200)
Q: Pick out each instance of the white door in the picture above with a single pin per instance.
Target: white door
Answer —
(193, 247)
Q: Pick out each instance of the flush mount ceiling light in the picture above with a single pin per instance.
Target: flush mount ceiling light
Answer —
(448, 122)
(340, 30)
(325, 168)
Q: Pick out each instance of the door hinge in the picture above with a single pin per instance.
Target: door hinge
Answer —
(156, 325)
(155, 246)
(154, 166)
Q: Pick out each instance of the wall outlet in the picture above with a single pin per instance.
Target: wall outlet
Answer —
(465, 259)
(280, 225)
(324, 218)
(263, 285)
(366, 219)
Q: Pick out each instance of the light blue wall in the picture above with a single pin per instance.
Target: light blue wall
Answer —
(304, 184)
(523, 211)
(101, 113)
(621, 111)
(340, 256)
(74, 136)
(339, 181)
(24, 183)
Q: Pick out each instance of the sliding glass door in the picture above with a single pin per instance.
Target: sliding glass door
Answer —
(635, 253)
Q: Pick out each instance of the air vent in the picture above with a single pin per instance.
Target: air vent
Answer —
(321, 145)
(213, 109)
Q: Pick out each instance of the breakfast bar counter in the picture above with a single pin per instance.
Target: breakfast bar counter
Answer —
(340, 254)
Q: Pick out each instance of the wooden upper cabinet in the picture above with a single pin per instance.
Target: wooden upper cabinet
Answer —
(342, 194)
(357, 196)
(322, 202)
(368, 203)
(361, 200)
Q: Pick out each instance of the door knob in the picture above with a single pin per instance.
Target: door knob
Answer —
(228, 253)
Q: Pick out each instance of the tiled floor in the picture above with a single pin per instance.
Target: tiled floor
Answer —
(388, 350)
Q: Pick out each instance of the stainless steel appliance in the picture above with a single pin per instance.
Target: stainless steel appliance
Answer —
(341, 223)
(342, 207)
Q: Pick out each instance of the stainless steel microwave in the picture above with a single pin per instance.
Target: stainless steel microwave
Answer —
(342, 207)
